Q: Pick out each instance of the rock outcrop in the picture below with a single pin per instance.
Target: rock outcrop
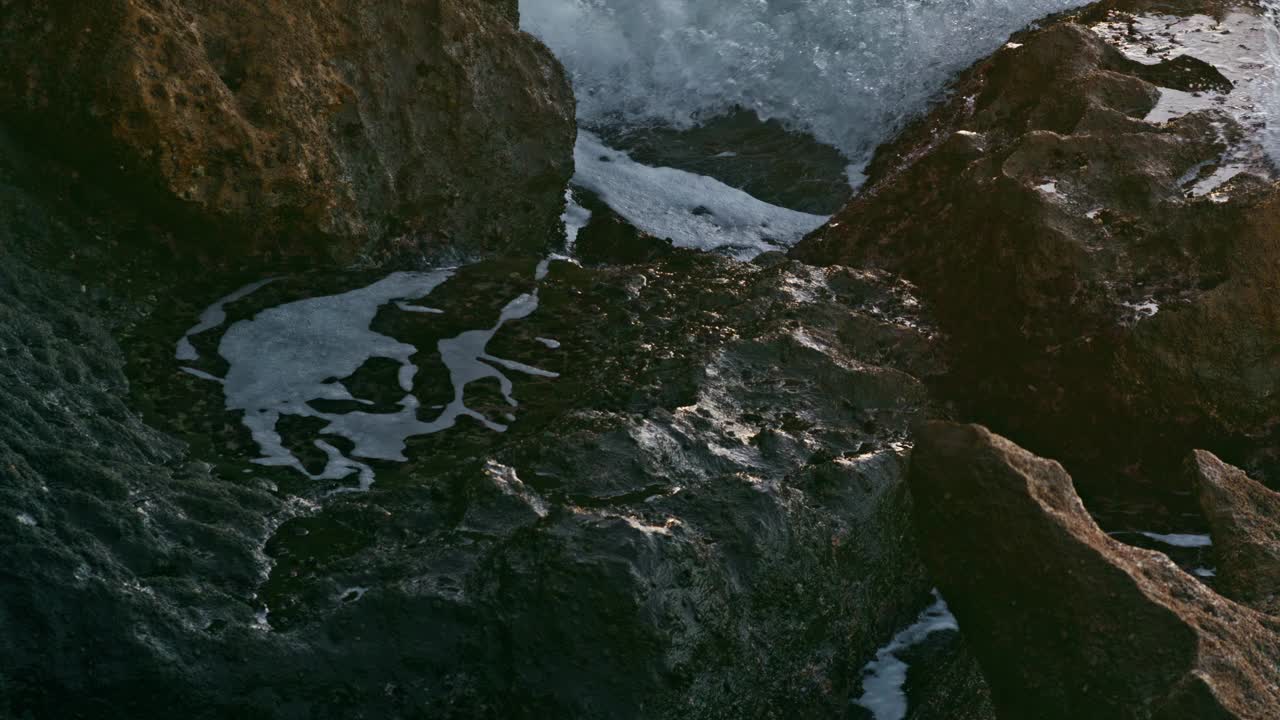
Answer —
(1104, 256)
(330, 128)
(1244, 517)
(704, 516)
(1066, 621)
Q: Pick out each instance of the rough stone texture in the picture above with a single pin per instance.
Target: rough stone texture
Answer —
(325, 127)
(1244, 517)
(1067, 622)
(1037, 285)
(945, 682)
(705, 516)
(119, 552)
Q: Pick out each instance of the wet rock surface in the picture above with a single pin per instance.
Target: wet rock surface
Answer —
(1066, 621)
(763, 158)
(1106, 281)
(641, 481)
(376, 128)
(697, 510)
(122, 554)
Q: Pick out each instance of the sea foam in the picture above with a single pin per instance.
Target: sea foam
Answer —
(691, 210)
(285, 358)
(850, 72)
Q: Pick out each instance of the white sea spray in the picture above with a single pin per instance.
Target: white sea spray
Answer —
(848, 71)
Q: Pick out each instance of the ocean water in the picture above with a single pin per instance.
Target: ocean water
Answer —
(1271, 137)
(850, 72)
(693, 211)
(286, 358)
(847, 72)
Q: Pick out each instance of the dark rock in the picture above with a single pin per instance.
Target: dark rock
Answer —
(608, 239)
(1066, 621)
(329, 128)
(1244, 517)
(1096, 308)
(764, 158)
(944, 680)
(1185, 73)
(704, 516)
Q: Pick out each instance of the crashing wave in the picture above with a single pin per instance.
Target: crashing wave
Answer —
(850, 72)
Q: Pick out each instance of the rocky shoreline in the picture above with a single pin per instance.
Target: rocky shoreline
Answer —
(626, 479)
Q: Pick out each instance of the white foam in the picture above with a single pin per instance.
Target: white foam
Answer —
(25, 519)
(883, 677)
(1180, 540)
(409, 307)
(548, 342)
(575, 218)
(352, 594)
(1245, 48)
(691, 210)
(1205, 572)
(851, 72)
(212, 317)
(289, 356)
(1271, 98)
(1139, 311)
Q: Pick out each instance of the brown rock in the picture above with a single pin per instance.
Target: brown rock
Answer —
(1067, 622)
(1244, 517)
(339, 126)
(1047, 222)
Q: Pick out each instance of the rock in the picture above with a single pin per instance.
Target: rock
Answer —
(1107, 299)
(704, 516)
(334, 129)
(118, 548)
(768, 160)
(609, 239)
(1244, 517)
(1066, 621)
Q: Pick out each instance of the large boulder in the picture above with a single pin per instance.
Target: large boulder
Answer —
(1110, 296)
(1066, 621)
(329, 127)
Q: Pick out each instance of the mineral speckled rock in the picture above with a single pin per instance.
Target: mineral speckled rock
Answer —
(1066, 621)
(329, 128)
(1102, 304)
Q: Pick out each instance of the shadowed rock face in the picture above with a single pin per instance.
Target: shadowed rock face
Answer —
(328, 128)
(1067, 622)
(1244, 517)
(1086, 282)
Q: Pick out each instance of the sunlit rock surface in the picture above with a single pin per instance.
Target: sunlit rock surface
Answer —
(340, 128)
(1244, 517)
(1066, 621)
